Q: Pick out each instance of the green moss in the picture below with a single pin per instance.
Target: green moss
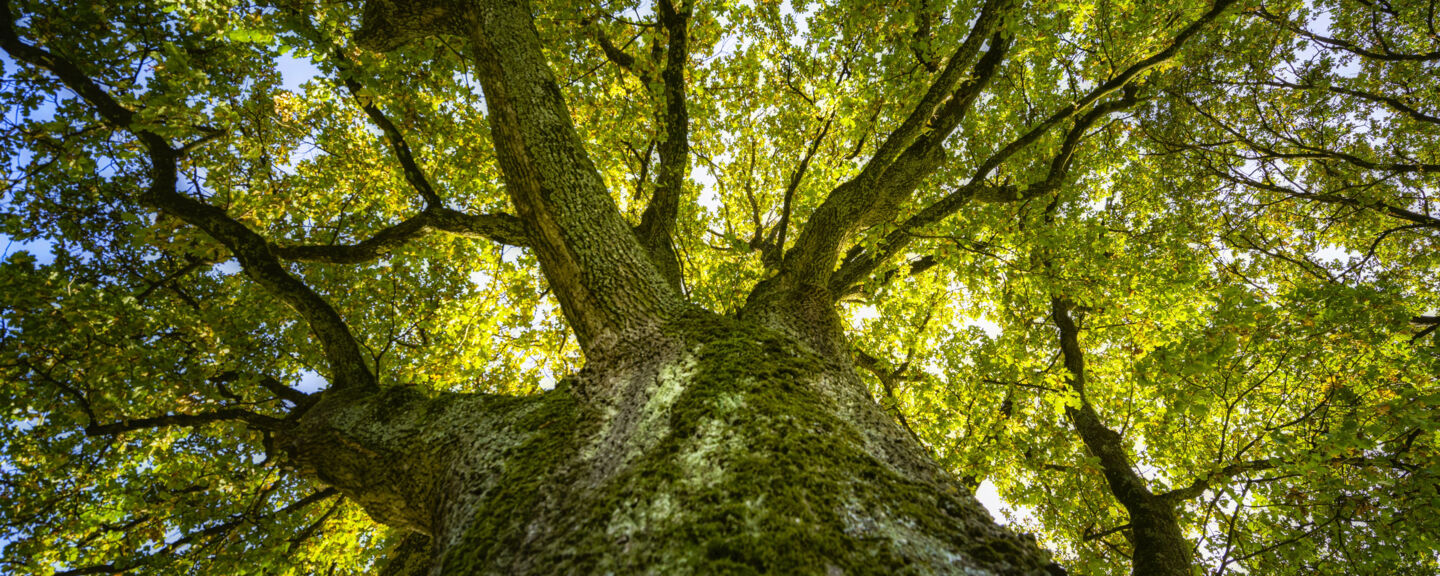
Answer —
(757, 475)
(552, 432)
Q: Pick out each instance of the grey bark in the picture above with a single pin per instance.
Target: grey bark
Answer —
(729, 449)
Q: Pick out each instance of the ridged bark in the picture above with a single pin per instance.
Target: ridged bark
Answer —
(730, 449)
(691, 443)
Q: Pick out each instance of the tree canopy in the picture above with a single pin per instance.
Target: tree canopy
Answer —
(1093, 254)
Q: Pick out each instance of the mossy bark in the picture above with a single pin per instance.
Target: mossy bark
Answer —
(691, 443)
(728, 448)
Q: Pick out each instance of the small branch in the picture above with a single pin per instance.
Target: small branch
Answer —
(270, 384)
(258, 421)
(795, 179)
(413, 174)
(192, 265)
(501, 228)
(618, 55)
(1386, 55)
(1092, 536)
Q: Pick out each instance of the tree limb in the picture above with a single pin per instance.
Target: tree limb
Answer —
(657, 223)
(413, 174)
(608, 287)
(907, 155)
(1129, 488)
(250, 249)
(795, 179)
(861, 265)
(1160, 546)
(1350, 47)
(618, 55)
(502, 228)
(270, 384)
(258, 421)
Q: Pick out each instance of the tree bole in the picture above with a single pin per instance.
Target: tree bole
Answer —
(731, 450)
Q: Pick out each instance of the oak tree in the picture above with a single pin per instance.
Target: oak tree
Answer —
(673, 287)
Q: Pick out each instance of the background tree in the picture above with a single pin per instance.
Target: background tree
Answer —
(566, 287)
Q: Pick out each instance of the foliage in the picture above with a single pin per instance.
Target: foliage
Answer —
(1247, 236)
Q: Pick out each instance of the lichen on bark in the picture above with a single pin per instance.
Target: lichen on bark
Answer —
(745, 468)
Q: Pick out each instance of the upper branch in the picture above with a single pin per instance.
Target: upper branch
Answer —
(1224, 475)
(1160, 546)
(657, 223)
(1350, 47)
(906, 156)
(1392, 102)
(606, 283)
(1417, 218)
(250, 249)
(502, 228)
(860, 264)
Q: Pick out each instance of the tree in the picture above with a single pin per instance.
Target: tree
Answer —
(571, 287)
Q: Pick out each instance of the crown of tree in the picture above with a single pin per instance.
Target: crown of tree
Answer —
(496, 286)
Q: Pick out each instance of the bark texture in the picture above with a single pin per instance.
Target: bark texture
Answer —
(1160, 545)
(729, 449)
(691, 443)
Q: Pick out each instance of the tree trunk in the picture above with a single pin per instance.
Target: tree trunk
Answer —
(690, 443)
(723, 448)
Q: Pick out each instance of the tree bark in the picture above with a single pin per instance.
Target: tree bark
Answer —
(691, 443)
(728, 449)
(1160, 546)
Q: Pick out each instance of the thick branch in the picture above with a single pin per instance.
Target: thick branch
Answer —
(1103, 442)
(1160, 546)
(1394, 103)
(250, 249)
(607, 285)
(1308, 152)
(1224, 475)
(657, 223)
(908, 155)
(395, 451)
